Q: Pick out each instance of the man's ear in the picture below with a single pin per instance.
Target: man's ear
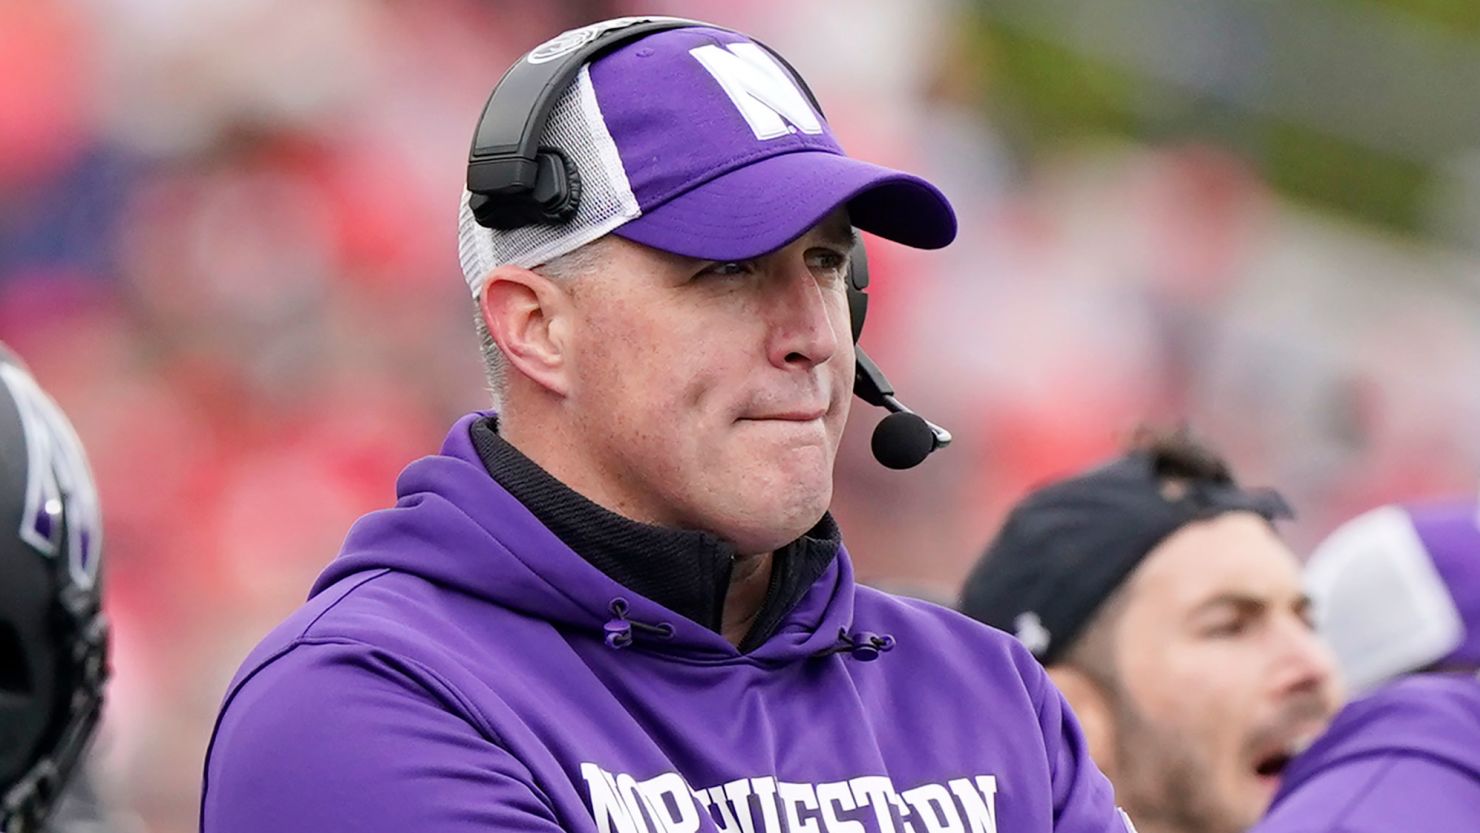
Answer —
(1092, 707)
(528, 316)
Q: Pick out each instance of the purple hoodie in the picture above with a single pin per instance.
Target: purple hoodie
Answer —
(1406, 757)
(458, 668)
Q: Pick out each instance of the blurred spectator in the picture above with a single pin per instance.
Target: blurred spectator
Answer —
(1398, 590)
(1169, 613)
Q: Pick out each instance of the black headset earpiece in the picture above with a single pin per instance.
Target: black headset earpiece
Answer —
(514, 182)
(551, 199)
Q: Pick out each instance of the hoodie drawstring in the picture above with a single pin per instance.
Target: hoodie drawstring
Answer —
(619, 629)
(862, 645)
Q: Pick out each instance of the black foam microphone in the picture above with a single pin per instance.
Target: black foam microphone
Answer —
(904, 438)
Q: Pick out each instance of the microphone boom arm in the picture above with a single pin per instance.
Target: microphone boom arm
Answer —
(872, 386)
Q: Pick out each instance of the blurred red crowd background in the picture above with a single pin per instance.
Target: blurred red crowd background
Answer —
(227, 247)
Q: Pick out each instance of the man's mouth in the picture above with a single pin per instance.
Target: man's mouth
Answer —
(794, 415)
(1270, 766)
(1273, 766)
(1289, 734)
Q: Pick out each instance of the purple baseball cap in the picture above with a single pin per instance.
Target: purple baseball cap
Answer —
(698, 141)
(1397, 589)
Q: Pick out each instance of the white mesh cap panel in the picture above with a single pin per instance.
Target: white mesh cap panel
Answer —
(1379, 600)
(576, 126)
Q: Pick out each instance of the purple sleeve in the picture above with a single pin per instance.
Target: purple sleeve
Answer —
(1380, 794)
(1083, 799)
(336, 737)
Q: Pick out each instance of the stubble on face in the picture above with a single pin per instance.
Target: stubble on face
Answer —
(1166, 780)
(1214, 670)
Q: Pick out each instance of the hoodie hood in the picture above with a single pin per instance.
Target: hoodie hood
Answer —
(454, 525)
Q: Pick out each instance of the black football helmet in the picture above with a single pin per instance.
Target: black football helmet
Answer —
(53, 638)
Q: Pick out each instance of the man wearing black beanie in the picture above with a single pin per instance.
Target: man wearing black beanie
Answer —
(1169, 612)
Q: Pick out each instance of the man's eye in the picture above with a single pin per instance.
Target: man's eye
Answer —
(1307, 617)
(827, 260)
(1226, 628)
(732, 268)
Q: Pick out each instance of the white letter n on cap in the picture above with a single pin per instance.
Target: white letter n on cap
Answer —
(763, 92)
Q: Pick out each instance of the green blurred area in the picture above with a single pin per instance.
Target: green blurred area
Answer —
(1045, 91)
(1459, 15)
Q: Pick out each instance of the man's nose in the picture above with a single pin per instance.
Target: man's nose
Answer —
(1306, 662)
(803, 330)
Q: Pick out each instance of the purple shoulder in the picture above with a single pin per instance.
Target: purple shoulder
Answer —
(932, 627)
(282, 638)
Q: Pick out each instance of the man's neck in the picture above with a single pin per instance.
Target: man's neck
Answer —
(696, 574)
(750, 578)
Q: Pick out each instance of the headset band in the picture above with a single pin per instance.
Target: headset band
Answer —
(505, 146)
(504, 157)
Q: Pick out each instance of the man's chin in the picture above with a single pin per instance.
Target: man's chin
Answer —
(769, 527)
(772, 496)
(1256, 798)
(1267, 786)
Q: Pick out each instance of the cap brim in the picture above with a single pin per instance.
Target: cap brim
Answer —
(765, 205)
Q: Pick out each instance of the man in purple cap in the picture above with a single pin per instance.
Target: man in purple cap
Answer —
(620, 605)
(1397, 592)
